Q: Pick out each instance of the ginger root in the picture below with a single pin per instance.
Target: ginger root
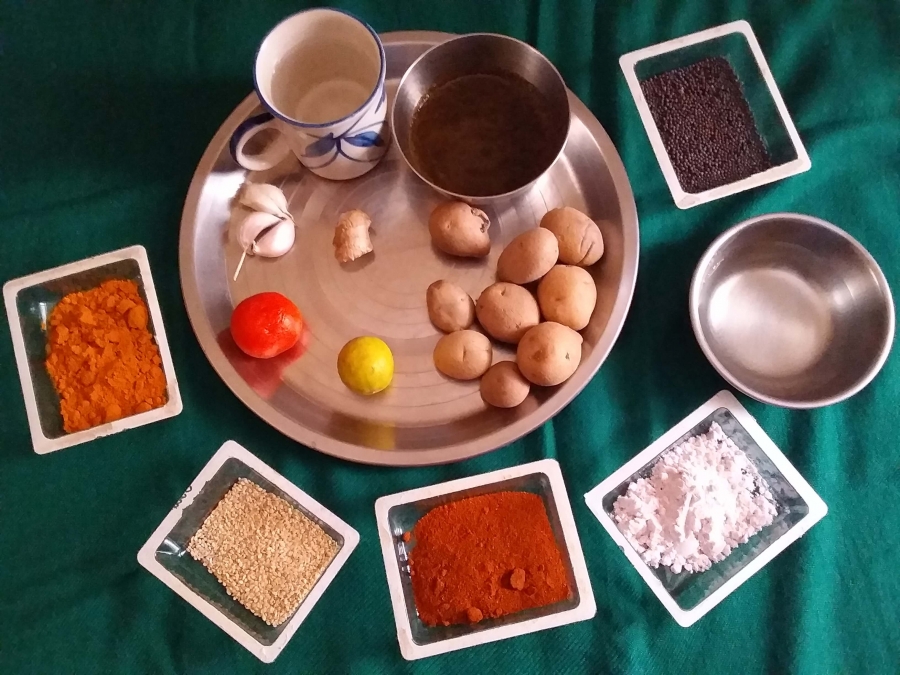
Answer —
(351, 236)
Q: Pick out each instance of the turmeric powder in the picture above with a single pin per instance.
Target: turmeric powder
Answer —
(102, 358)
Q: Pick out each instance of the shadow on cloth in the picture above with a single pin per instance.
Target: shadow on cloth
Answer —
(96, 134)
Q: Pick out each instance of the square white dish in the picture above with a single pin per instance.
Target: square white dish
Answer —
(165, 556)
(29, 301)
(397, 513)
(738, 44)
(688, 596)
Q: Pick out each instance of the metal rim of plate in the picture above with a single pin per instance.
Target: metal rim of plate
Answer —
(207, 290)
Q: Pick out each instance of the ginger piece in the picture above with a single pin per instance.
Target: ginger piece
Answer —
(351, 236)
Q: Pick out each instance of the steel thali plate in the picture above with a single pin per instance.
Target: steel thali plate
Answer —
(423, 418)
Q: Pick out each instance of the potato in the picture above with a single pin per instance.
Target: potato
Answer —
(549, 353)
(459, 229)
(528, 257)
(506, 311)
(449, 307)
(580, 240)
(567, 294)
(463, 355)
(503, 385)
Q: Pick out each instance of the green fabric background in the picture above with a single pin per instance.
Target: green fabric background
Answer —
(105, 109)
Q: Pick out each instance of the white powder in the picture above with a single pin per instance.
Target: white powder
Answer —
(703, 498)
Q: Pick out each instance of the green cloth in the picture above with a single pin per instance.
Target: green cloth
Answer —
(105, 109)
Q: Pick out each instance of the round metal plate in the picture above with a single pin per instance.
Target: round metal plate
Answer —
(422, 418)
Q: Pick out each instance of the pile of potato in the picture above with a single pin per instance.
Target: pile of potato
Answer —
(543, 324)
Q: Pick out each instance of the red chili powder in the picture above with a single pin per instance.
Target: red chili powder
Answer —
(484, 557)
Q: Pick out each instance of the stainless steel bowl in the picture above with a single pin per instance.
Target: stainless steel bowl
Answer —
(792, 310)
(469, 55)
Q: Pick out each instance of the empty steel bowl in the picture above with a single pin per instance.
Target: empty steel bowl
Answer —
(474, 54)
(792, 310)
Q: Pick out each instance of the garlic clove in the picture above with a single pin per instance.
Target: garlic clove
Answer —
(253, 225)
(265, 198)
(276, 241)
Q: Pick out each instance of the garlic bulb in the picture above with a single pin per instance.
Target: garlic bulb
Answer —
(254, 226)
(265, 198)
(266, 235)
(268, 231)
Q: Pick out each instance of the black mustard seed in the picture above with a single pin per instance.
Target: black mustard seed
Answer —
(706, 124)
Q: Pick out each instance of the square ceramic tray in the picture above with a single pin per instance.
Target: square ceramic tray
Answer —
(398, 513)
(736, 42)
(165, 555)
(29, 301)
(689, 596)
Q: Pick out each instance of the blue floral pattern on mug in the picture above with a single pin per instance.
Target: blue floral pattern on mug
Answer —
(367, 138)
(326, 144)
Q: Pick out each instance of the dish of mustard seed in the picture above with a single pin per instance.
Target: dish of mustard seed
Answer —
(706, 124)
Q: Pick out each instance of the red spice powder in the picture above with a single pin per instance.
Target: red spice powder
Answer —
(484, 557)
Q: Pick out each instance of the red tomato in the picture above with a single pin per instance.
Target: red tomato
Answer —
(266, 325)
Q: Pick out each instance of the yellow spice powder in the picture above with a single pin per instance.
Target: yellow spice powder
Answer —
(102, 359)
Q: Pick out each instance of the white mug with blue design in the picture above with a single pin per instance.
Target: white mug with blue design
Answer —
(320, 75)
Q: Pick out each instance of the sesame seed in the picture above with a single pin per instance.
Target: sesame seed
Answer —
(265, 552)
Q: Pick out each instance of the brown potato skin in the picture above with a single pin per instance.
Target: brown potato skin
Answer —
(503, 386)
(528, 257)
(580, 239)
(461, 230)
(449, 307)
(463, 355)
(549, 354)
(567, 294)
(506, 311)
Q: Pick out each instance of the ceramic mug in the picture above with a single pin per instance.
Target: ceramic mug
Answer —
(320, 75)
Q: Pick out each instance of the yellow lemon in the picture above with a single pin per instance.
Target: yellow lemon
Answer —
(366, 365)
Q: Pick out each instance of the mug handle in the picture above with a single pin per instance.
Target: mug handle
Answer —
(272, 155)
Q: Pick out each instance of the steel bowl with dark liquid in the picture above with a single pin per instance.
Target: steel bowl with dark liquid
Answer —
(481, 117)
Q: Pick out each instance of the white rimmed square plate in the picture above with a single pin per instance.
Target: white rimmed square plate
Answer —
(398, 513)
(737, 43)
(165, 555)
(29, 301)
(689, 596)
